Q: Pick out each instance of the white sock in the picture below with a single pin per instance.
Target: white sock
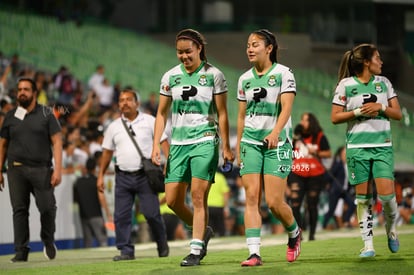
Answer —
(253, 243)
(390, 208)
(365, 219)
(196, 246)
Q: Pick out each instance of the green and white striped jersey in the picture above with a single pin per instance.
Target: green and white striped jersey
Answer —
(262, 96)
(193, 109)
(364, 132)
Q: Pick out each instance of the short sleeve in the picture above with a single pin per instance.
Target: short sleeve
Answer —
(339, 95)
(288, 82)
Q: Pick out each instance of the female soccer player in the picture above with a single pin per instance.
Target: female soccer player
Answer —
(197, 92)
(264, 141)
(367, 101)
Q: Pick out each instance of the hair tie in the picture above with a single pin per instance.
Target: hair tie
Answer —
(188, 38)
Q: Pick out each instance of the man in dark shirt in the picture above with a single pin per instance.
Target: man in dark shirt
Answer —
(31, 137)
(90, 203)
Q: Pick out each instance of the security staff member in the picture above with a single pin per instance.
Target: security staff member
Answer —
(130, 179)
(31, 137)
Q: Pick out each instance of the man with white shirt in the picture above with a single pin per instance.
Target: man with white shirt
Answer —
(105, 93)
(130, 179)
(97, 77)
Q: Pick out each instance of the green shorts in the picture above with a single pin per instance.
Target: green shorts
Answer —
(194, 160)
(369, 163)
(257, 159)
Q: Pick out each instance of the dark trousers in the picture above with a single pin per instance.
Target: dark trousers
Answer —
(23, 181)
(216, 220)
(126, 188)
(94, 227)
(335, 193)
(311, 188)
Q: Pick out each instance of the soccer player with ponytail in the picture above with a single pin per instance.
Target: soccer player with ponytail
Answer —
(367, 101)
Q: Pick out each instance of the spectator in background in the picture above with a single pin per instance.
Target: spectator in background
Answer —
(95, 138)
(97, 77)
(4, 75)
(367, 101)
(339, 189)
(91, 202)
(31, 141)
(76, 149)
(65, 85)
(130, 178)
(174, 226)
(218, 204)
(307, 178)
(240, 205)
(5, 106)
(4, 62)
(40, 79)
(16, 66)
(151, 105)
(105, 93)
(407, 208)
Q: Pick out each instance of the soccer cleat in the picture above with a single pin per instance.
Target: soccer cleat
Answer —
(393, 243)
(367, 253)
(207, 236)
(293, 250)
(49, 250)
(253, 260)
(191, 260)
(123, 257)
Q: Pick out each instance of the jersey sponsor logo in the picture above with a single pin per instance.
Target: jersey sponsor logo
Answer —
(259, 93)
(247, 86)
(241, 93)
(177, 80)
(188, 91)
(209, 134)
(292, 84)
(369, 98)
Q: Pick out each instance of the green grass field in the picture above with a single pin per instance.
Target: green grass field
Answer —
(332, 252)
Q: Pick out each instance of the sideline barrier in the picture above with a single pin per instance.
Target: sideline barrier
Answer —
(68, 227)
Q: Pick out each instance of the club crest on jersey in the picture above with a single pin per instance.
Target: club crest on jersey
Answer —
(202, 80)
(272, 81)
(378, 87)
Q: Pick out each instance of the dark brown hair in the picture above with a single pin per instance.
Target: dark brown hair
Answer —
(196, 37)
(28, 79)
(270, 39)
(352, 62)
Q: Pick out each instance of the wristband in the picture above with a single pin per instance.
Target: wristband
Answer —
(383, 108)
(357, 112)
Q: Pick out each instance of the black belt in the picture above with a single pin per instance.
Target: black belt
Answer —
(132, 173)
